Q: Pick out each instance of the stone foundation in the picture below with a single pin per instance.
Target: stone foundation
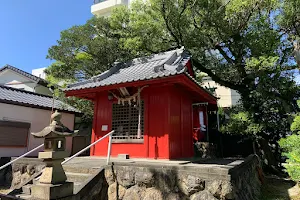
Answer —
(134, 182)
(237, 180)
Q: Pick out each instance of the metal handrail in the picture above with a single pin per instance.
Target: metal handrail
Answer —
(70, 158)
(25, 154)
(86, 148)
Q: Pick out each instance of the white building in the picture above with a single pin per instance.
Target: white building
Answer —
(104, 7)
(16, 78)
(227, 97)
(39, 72)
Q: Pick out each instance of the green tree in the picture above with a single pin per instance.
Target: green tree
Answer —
(85, 106)
(291, 148)
(245, 45)
(84, 51)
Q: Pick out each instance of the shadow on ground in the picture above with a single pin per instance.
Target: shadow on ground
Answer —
(276, 188)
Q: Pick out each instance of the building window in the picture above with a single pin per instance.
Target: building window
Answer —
(125, 123)
(13, 133)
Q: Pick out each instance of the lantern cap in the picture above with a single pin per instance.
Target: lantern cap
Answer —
(56, 128)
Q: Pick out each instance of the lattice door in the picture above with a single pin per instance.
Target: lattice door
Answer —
(125, 122)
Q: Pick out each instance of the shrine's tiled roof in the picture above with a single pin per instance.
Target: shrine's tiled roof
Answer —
(160, 65)
(30, 99)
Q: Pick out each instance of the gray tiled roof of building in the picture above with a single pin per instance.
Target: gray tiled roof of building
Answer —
(26, 74)
(155, 66)
(30, 99)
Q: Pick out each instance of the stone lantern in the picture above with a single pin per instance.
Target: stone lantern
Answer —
(52, 183)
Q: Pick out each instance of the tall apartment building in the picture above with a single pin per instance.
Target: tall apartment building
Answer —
(104, 7)
(227, 97)
(39, 72)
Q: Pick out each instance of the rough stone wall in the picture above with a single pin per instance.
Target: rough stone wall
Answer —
(170, 183)
(247, 179)
(19, 173)
(23, 172)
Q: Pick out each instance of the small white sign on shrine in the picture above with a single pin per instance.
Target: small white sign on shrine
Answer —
(104, 128)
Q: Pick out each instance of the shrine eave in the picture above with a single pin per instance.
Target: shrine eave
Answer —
(184, 79)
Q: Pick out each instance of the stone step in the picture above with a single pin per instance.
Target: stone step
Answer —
(77, 177)
(77, 187)
(71, 177)
(26, 189)
(85, 170)
(24, 196)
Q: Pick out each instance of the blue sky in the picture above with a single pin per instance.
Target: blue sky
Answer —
(29, 27)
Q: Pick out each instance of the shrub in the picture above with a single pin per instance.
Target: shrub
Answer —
(291, 149)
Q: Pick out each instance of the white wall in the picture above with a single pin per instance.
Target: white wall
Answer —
(16, 81)
(228, 97)
(39, 119)
(105, 8)
(39, 72)
(235, 97)
(12, 79)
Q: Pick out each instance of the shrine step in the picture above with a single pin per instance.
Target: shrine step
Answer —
(84, 170)
(24, 196)
(77, 177)
(77, 171)
(26, 189)
(123, 156)
(77, 187)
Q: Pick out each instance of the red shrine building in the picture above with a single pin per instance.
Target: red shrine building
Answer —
(153, 103)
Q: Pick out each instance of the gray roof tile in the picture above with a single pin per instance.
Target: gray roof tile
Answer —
(20, 97)
(155, 66)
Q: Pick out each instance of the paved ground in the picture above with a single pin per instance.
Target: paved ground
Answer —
(88, 162)
(97, 162)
